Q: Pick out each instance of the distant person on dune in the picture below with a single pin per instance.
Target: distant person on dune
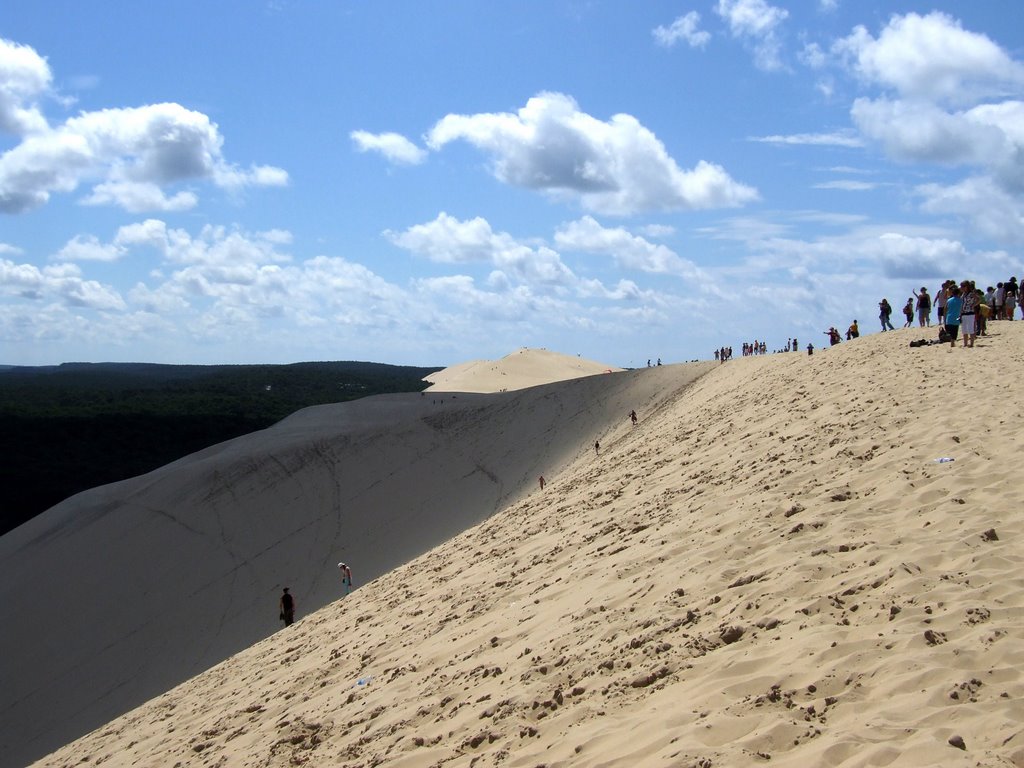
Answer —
(597, 447)
(346, 577)
(287, 606)
(541, 481)
(632, 417)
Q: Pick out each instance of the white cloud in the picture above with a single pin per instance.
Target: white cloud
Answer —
(61, 281)
(151, 232)
(88, 248)
(24, 77)
(849, 185)
(137, 197)
(757, 22)
(833, 139)
(448, 240)
(395, 147)
(948, 103)
(932, 57)
(986, 205)
(617, 167)
(130, 154)
(628, 250)
(684, 28)
(813, 56)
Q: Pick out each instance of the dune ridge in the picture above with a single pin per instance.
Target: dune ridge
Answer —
(772, 565)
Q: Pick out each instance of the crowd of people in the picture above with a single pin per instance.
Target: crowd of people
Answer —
(962, 312)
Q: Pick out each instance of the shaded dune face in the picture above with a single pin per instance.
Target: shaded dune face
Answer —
(126, 590)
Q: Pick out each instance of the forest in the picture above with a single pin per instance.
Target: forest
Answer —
(74, 426)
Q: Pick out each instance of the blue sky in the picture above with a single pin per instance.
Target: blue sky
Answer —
(430, 183)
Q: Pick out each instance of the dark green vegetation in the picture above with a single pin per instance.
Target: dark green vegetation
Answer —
(67, 428)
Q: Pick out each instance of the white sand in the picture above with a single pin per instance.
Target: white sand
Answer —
(771, 565)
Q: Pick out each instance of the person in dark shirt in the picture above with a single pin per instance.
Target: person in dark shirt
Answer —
(287, 605)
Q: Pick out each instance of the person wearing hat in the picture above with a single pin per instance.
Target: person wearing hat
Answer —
(346, 577)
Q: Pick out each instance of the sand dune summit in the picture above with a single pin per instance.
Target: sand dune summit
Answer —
(518, 370)
(773, 565)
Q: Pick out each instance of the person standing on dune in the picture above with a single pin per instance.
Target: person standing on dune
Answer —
(287, 606)
(346, 577)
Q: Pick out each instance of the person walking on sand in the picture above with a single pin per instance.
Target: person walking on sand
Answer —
(287, 606)
(541, 481)
(908, 312)
(597, 447)
(632, 417)
(884, 312)
(346, 577)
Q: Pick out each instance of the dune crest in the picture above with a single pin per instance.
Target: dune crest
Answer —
(521, 369)
(772, 565)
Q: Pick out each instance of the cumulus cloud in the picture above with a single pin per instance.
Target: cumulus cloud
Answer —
(931, 57)
(951, 97)
(130, 155)
(451, 241)
(394, 146)
(615, 167)
(61, 281)
(24, 77)
(629, 251)
(757, 23)
(685, 28)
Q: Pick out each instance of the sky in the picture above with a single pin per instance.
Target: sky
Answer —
(275, 181)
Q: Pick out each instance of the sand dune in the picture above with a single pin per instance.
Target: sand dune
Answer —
(518, 370)
(772, 565)
(122, 592)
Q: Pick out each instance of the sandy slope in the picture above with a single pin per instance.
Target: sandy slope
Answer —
(122, 592)
(518, 370)
(771, 565)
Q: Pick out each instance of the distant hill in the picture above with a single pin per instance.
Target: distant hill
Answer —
(70, 427)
